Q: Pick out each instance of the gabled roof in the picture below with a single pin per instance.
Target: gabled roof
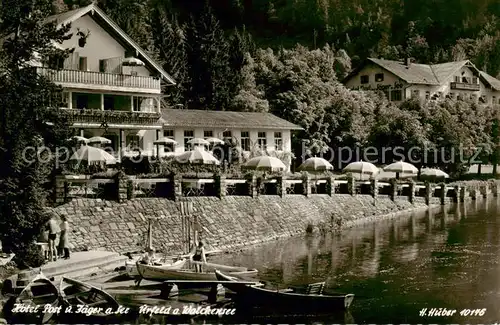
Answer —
(72, 15)
(224, 119)
(494, 82)
(443, 71)
(427, 74)
(414, 73)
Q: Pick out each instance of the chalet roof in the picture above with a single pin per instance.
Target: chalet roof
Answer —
(427, 74)
(224, 119)
(72, 15)
(414, 73)
(494, 82)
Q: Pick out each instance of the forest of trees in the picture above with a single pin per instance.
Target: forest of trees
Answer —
(430, 31)
(288, 57)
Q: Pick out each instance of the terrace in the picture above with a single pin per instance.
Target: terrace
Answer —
(90, 80)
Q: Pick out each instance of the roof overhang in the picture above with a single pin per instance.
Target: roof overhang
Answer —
(93, 10)
(220, 126)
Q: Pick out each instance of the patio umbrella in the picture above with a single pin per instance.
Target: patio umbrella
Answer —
(401, 167)
(315, 164)
(197, 156)
(198, 142)
(93, 154)
(265, 163)
(362, 168)
(164, 141)
(99, 140)
(132, 62)
(433, 173)
(215, 141)
(79, 139)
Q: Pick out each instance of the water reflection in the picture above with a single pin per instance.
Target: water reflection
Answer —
(444, 257)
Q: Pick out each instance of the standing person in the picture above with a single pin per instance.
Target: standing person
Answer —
(43, 239)
(53, 231)
(63, 240)
(198, 255)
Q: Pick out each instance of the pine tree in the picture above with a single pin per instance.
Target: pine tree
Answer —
(27, 123)
(208, 58)
(240, 45)
(170, 41)
(132, 17)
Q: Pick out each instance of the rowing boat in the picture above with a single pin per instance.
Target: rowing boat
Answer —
(309, 301)
(131, 268)
(75, 293)
(39, 292)
(211, 267)
(157, 273)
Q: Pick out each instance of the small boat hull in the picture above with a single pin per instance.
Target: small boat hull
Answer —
(131, 266)
(155, 273)
(74, 293)
(286, 301)
(39, 292)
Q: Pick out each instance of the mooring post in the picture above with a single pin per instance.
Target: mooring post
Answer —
(216, 290)
(169, 290)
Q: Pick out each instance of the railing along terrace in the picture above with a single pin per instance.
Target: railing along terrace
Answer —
(176, 186)
(464, 86)
(99, 78)
(237, 187)
(150, 187)
(115, 117)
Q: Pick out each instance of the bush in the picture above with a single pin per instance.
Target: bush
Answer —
(171, 166)
(30, 256)
(135, 166)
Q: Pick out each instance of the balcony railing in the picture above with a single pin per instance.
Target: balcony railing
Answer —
(110, 117)
(99, 78)
(464, 86)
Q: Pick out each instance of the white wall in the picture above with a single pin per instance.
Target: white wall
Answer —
(150, 136)
(371, 70)
(444, 88)
(99, 46)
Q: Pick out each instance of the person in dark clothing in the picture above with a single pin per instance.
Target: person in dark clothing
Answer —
(198, 255)
(64, 239)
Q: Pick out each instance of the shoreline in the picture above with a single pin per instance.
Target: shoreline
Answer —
(233, 222)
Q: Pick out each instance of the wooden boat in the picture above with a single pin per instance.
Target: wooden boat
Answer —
(211, 267)
(157, 273)
(39, 292)
(74, 293)
(309, 301)
(131, 265)
(6, 258)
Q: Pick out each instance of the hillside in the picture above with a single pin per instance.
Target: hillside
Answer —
(428, 30)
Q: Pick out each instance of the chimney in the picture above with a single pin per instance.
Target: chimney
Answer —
(407, 62)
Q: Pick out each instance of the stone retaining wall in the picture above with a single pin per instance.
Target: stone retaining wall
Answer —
(233, 221)
(225, 223)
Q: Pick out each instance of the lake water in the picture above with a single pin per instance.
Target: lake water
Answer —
(443, 258)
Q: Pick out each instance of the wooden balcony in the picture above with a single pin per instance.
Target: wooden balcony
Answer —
(113, 119)
(102, 81)
(465, 86)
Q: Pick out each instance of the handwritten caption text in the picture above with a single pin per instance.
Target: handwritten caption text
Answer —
(445, 312)
(78, 309)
